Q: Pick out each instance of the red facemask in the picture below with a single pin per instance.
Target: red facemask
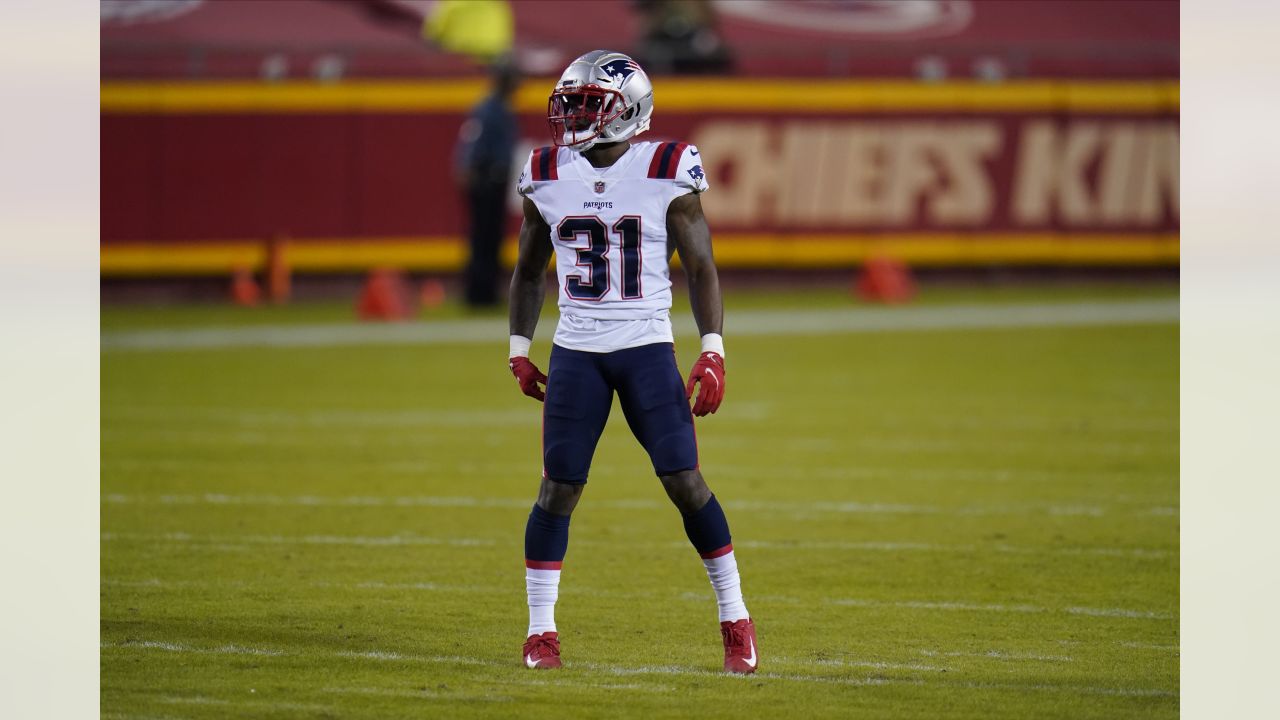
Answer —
(578, 114)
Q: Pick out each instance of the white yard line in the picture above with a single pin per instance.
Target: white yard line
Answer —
(341, 418)
(241, 542)
(930, 605)
(676, 670)
(924, 426)
(1001, 608)
(768, 506)
(422, 694)
(357, 540)
(832, 321)
(180, 648)
(1151, 646)
(890, 546)
(997, 655)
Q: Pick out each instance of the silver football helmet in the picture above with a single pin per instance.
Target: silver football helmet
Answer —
(602, 96)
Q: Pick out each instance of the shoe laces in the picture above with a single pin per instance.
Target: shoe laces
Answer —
(736, 637)
(544, 646)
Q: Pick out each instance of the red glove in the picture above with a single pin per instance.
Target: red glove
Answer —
(528, 375)
(709, 372)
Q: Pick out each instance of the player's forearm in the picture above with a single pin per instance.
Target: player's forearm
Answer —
(704, 296)
(528, 290)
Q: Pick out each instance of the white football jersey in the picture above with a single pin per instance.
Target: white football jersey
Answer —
(609, 229)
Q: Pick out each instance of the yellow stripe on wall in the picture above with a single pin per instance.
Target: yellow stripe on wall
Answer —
(437, 254)
(675, 94)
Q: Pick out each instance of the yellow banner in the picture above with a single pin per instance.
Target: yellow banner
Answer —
(723, 95)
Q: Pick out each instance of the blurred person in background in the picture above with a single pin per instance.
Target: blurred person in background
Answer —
(483, 29)
(482, 168)
(680, 36)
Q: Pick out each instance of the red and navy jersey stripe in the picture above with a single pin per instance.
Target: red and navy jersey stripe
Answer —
(543, 163)
(666, 160)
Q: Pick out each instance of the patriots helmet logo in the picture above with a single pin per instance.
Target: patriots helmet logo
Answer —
(695, 172)
(620, 70)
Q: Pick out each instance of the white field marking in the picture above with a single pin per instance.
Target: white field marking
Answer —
(533, 679)
(1085, 689)
(947, 605)
(1069, 510)
(1150, 646)
(170, 647)
(357, 540)
(1117, 612)
(861, 472)
(997, 655)
(416, 694)
(332, 501)
(174, 584)
(871, 664)
(264, 703)
(374, 655)
(947, 474)
(632, 686)
(135, 716)
(299, 436)
(1139, 553)
(398, 657)
(192, 700)
(237, 541)
(871, 545)
(833, 321)
(180, 648)
(933, 445)
(762, 676)
(1001, 608)
(769, 506)
(375, 468)
(838, 507)
(296, 438)
(1099, 423)
(682, 670)
(340, 418)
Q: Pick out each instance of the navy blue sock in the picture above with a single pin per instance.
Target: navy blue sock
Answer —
(708, 530)
(546, 538)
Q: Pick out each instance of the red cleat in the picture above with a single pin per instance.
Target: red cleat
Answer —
(542, 652)
(739, 646)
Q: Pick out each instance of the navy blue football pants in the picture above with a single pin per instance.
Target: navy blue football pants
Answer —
(580, 388)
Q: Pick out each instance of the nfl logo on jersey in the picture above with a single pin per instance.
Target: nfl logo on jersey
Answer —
(599, 186)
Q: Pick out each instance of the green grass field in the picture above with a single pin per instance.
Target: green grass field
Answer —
(930, 523)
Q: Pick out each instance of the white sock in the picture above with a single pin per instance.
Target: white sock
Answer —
(543, 587)
(723, 573)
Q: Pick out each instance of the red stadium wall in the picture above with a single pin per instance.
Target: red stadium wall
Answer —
(1108, 39)
(194, 177)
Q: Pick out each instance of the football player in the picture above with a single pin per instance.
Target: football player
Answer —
(613, 211)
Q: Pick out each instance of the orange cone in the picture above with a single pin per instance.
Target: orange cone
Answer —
(244, 289)
(386, 296)
(885, 280)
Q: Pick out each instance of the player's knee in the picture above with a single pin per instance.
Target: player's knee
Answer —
(566, 462)
(558, 498)
(674, 450)
(687, 490)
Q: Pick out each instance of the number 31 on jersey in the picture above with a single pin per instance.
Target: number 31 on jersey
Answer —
(591, 231)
